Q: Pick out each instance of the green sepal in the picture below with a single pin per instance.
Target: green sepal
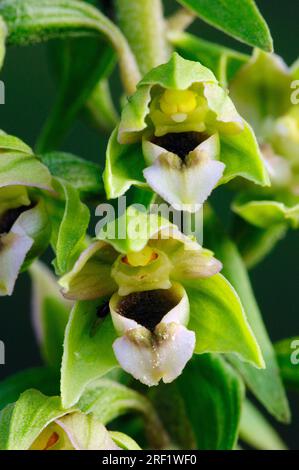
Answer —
(243, 21)
(266, 213)
(22, 422)
(218, 320)
(223, 62)
(242, 157)
(124, 167)
(68, 237)
(88, 352)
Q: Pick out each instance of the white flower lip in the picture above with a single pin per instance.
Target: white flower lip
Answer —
(185, 185)
(157, 353)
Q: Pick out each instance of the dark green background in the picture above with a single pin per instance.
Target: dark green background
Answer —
(30, 91)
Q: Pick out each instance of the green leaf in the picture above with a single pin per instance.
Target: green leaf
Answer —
(10, 143)
(287, 352)
(83, 175)
(100, 109)
(173, 415)
(108, 400)
(42, 378)
(32, 21)
(240, 19)
(218, 319)
(88, 353)
(21, 423)
(19, 167)
(242, 157)
(3, 33)
(265, 384)
(223, 62)
(76, 79)
(70, 235)
(213, 395)
(123, 441)
(264, 214)
(257, 432)
(50, 314)
(124, 167)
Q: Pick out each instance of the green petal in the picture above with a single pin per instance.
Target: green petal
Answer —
(88, 352)
(219, 321)
(90, 277)
(264, 214)
(124, 166)
(21, 423)
(242, 157)
(69, 236)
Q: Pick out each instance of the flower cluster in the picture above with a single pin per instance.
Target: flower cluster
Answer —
(263, 90)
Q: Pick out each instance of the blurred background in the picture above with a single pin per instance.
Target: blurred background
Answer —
(30, 93)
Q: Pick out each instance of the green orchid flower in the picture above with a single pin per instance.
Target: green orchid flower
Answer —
(265, 92)
(24, 223)
(161, 293)
(181, 135)
(38, 422)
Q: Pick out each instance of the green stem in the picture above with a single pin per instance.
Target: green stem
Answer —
(143, 24)
(32, 21)
(180, 20)
(100, 108)
(265, 384)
